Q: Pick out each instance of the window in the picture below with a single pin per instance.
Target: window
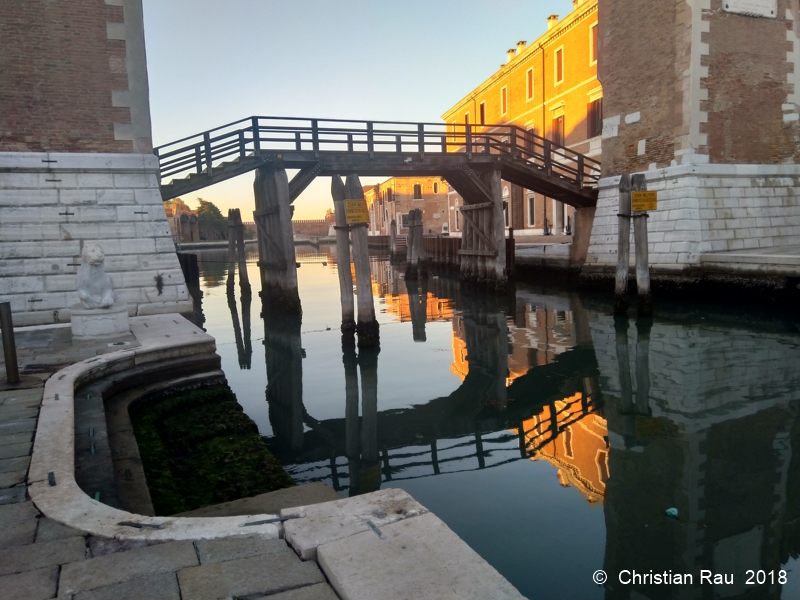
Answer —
(531, 210)
(593, 45)
(417, 191)
(435, 187)
(557, 132)
(594, 118)
(559, 65)
(466, 119)
(389, 195)
(503, 101)
(404, 220)
(483, 113)
(458, 218)
(529, 84)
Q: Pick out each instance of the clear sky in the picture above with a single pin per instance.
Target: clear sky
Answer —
(211, 62)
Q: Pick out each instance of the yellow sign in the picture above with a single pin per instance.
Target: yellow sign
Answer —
(644, 201)
(356, 211)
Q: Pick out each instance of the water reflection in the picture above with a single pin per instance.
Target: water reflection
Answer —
(634, 417)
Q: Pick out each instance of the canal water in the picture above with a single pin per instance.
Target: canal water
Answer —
(550, 437)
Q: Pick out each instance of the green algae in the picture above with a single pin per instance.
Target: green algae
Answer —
(199, 448)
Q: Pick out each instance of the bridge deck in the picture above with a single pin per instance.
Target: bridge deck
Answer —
(326, 147)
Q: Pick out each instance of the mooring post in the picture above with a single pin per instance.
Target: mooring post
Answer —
(231, 249)
(244, 279)
(367, 324)
(343, 259)
(623, 246)
(644, 305)
(9, 344)
(274, 217)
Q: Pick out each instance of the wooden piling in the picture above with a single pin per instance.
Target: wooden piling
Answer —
(623, 246)
(393, 238)
(231, 250)
(415, 263)
(277, 260)
(366, 324)
(343, 259)
(244, 279)
(644, 304)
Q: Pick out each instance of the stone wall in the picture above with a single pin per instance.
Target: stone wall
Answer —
(51, 203)
(704, 209)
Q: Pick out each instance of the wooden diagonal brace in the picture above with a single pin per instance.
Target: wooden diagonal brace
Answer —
(302, 180)
(480, 232)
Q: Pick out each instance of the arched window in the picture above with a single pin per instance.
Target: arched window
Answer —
(435, 187)
(417, 191)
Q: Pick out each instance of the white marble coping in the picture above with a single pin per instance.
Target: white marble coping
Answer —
(77, 161)
(54, 445)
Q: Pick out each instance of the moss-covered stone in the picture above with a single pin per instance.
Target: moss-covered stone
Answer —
(199, 448)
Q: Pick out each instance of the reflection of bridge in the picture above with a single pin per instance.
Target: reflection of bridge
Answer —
(473, 423)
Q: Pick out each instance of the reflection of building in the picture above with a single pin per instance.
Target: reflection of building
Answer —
(549, 87)
(182, 221)
(395, 197)
(579, 451)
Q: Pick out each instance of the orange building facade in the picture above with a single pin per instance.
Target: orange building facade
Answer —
(395, 197)
(549, 87)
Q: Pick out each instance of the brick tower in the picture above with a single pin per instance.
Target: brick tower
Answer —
(700, 95)
(76, 162)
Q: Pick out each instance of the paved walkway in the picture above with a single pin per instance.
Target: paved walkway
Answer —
(42, 559)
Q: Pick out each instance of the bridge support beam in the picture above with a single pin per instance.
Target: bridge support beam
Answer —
(273, 217)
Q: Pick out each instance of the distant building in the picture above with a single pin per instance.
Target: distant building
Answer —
(182, 221)
(549, 87)
(395, 197)
(315, 227)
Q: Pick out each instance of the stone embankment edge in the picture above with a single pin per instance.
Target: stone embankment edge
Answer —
(54, 452)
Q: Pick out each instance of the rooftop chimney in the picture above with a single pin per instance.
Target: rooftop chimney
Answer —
(521, 46)
(511, 54)
(552, 20)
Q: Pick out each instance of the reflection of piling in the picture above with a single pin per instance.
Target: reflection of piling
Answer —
(283, 353)
(343, 261)
(248, 344)
(352, 424)
(623, 246)
(623, 365)
(367, 325)
(416, 267)
(370, 475)
(643, 327)
(236, 252)
(418, 307)
(244, 349)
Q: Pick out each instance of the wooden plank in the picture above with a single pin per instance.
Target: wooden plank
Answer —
(270, 210)
(302, 180)
(272, 265)
(477, 253)
(480, 233)
(476, 206)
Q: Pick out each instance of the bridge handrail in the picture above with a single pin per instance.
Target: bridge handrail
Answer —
(199, 153)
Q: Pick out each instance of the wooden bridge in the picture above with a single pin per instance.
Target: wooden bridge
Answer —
(472, 159)
(459, 153)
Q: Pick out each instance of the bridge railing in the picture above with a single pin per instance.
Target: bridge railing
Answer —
(203, 152)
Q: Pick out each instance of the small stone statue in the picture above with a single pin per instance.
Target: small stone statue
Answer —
(95, 288)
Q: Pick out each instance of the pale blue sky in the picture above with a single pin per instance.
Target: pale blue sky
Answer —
(212, 62)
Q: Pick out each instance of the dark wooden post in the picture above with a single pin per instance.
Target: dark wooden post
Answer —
(644, 305)
(367, 324)
(231, 250)
(244, 279)
(623, 246)
(273, 215)
(496, 269)
(343, 259)
(393, 238)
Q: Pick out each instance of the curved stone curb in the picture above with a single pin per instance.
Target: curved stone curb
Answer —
(54, 452)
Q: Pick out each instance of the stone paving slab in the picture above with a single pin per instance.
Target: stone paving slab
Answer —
(15, 450)
(18, 426)
(17, 524)
(214, 551)
(30, 585)
(15, 413)
(16, 438)
(418, 558)
(20, 463)
(46, 554)
(12, 478)
(270, 503)
(125, 566)
(13, 495)
(331, 521)
(163, 586)
(49, 530)
(247, 577)
(321, 591)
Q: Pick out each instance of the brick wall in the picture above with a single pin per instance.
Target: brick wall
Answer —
(318, 227)
(64, 80)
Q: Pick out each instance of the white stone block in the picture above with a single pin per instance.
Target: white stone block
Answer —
(152, 229)
(115, 196)
(132, 180)
(330, 521)
(418, 558)
(72, 198)
(100, 322)
(153, 196)
(634, 117)
(11, 197)
(95, 180)
(15, 233)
